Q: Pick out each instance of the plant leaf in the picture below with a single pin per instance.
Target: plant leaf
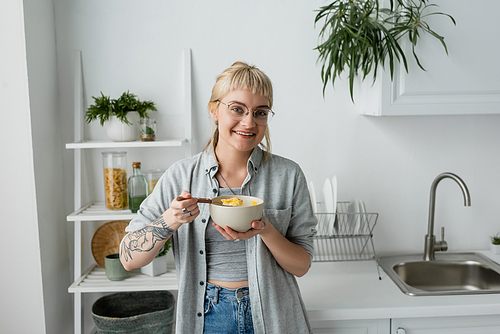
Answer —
(359, 35)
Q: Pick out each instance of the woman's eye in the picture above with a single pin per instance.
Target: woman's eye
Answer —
(261, 113)
(237, 110)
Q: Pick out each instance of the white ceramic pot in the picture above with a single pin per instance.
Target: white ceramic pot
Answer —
(119, 131)
(495, 249)
(157, 267)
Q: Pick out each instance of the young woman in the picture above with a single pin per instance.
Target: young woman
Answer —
(232, 282)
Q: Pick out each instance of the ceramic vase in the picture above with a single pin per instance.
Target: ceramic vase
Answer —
(114, 268)
(119, 131)
(157, 267)
(495, 249)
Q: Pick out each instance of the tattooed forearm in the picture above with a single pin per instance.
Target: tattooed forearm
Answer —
(160, 221)
(145, 240)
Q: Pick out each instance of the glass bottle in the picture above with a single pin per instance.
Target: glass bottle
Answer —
(137, 188)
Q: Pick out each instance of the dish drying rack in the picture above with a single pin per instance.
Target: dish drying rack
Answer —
(346, 235)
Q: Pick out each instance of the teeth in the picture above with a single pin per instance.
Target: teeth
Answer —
(244, 134)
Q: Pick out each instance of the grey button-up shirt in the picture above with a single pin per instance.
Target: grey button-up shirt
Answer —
(276, 303)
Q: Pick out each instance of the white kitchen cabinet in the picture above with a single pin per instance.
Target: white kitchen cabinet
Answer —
(463, 82)
(376, 326)
(484, 324)
(93, 279)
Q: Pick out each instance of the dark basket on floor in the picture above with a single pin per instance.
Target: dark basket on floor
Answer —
(141, 312)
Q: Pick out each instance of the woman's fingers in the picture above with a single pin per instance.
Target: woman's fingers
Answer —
(260, 224)
(185, 208)
(183, 196)
(223, 231)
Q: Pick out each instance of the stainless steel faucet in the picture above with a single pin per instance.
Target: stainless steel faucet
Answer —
(431, 245)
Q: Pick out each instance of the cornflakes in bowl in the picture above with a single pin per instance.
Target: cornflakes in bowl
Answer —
(239, 217)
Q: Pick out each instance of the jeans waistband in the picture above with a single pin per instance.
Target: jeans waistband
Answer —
(228, 294)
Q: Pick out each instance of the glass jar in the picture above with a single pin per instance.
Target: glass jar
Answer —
(115, 180)
(153, 176)
(148, 129)
(137, 188)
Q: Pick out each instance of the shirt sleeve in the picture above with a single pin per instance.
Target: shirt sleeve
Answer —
(156, 203)
(302, 227)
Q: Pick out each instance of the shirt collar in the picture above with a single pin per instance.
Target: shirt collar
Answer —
(255, 160)
(253, 165)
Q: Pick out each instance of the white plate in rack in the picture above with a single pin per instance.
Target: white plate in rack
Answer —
(328, 197)
(312, 195)
(335, 227)
(353, 217)
(363, 223)
(328, 206)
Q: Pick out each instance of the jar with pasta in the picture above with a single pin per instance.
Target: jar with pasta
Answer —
(115, 180)
(153, 176)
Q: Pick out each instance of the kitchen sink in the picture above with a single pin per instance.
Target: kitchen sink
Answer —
(448, 274)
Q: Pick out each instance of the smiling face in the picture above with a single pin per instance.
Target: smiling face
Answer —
(239, 136)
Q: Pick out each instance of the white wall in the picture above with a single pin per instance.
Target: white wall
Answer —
(388, 162)
(48, 151)
(35, 274)
(22, 308)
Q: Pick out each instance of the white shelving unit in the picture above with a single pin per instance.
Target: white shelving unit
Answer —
(94, 279)
(130, 144)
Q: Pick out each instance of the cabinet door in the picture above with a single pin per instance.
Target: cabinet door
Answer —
(380, 326)
(448, 325)
(463, 82)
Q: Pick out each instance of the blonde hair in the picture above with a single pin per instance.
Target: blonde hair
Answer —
(240, 76)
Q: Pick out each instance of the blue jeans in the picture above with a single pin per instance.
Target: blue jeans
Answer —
(227, 311)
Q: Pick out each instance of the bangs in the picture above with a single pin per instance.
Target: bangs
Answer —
(250, 79)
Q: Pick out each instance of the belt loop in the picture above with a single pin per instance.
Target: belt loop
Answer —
(216, 294)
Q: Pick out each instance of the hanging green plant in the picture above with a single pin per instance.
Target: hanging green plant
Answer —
(358, 36)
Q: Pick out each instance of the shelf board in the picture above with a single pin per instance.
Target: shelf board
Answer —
(162, 142)
(97, 211)
(95, 280)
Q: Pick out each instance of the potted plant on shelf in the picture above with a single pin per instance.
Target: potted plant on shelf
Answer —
(159, 264)
(121, 115)
(148, 129)
(495, 243)
(358, 36)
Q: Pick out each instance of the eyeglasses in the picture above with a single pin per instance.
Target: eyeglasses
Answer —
(238, 111)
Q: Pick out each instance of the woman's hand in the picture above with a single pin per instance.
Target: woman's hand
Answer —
(183, 209)
(140, 247)
(258, 227)
(291, 257)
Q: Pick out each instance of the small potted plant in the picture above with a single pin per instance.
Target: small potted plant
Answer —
(121, 115)
(159, 264)
(495, 243)
(148, 129)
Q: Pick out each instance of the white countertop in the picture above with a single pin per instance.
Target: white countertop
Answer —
(352, 290)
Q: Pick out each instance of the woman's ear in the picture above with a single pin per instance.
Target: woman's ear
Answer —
(214, 111)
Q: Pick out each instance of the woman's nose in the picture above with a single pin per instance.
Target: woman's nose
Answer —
(249, 120)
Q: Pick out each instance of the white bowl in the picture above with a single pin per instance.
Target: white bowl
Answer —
(239, 218)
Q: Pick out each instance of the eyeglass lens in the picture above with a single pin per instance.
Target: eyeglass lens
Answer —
(238, 112)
